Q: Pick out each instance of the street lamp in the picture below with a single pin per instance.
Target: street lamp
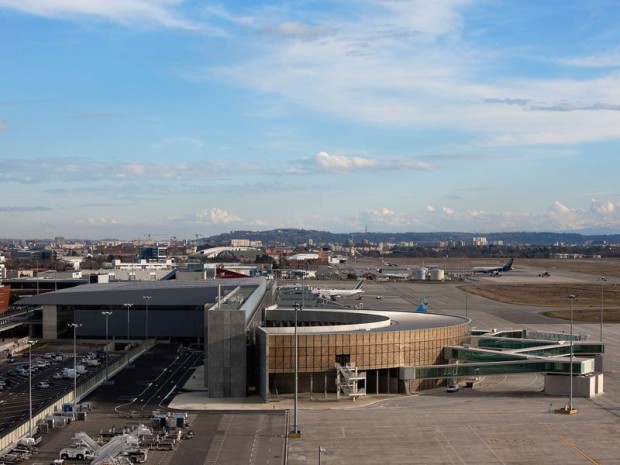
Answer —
(146, 327)
(571, 297)
(602, 279)
(75, 326)
(30, 344)
(321, 450)
(128, 307)
(295, 432)
(107, 316)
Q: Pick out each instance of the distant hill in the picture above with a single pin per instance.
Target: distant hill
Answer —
(299, 236)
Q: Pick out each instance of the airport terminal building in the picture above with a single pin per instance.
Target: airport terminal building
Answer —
(249, 345)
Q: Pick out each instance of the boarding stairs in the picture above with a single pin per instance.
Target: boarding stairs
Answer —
(113, 448)
(348, 381)
(86, 440)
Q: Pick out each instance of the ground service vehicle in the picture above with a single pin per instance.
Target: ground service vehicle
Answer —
(77, 453)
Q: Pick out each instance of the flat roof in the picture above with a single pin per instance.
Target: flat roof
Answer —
(162, 293)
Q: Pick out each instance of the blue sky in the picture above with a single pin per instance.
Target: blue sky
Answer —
(120, 118)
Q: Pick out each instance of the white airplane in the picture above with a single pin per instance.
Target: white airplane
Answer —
(495, 270)
(333, 294)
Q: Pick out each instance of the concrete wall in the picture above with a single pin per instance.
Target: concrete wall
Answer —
(226, 353)
(50, 322)
(263, 369)
(583, 386)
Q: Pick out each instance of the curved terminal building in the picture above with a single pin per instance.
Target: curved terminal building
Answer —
(379, 344)
(249, 343)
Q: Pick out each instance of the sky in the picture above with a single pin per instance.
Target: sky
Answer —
(162, 118)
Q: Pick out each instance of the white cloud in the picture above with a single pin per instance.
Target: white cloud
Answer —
(292, 29)
(75, 169)
(324, 162)
(96, 222)
(430, 209)
(609, 59)
(605, 207)
(128, 12)
(558, 207)
(174, 142)
(217, 216)
(406, 65)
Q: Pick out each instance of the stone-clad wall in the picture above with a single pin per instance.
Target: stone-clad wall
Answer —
(368, 350)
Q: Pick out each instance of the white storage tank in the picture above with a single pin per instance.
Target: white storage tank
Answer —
(437, 275)
(420, 273)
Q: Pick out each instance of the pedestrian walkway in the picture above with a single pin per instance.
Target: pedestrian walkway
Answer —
(195, 397)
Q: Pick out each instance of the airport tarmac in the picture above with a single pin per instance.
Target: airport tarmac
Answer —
(502, 420)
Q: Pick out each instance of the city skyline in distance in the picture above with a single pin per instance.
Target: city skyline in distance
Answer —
(180, 118)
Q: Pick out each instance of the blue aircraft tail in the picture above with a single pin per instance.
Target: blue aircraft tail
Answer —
(422, 307)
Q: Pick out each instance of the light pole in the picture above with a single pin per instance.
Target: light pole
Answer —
(30, 344)
(602, 279)
(295, 432)
(321, 450)
(571, 297)
(107, 315)
(128, 307)
(466, 303)
(146, 327)
(75, 326)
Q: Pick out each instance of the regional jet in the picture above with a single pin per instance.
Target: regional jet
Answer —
(333, 294)
(494, 269)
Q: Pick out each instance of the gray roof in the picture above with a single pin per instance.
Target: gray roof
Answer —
(163, 293)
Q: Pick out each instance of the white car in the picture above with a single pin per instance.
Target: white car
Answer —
(43, 384)
(453, 388)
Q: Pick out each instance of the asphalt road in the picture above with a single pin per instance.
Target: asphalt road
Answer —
(150, 383)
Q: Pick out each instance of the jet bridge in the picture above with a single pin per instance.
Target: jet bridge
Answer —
(512, 352)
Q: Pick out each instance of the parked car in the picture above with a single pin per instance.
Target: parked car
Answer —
(453, 388)
(43, 384)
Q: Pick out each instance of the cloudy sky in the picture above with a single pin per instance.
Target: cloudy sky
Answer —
(120, 118)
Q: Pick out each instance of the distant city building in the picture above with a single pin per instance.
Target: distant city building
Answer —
(142, 265)
(303, 257)
(5, 291)
(479, 241)
(240, 242)
(154, 253)
(75, 262)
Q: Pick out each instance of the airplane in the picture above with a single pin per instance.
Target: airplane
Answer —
(494, 269)
(333, 294)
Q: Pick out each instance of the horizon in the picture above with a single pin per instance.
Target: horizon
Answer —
(241, 233)
(177, 118)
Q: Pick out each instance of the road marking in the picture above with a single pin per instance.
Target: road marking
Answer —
(579, 450)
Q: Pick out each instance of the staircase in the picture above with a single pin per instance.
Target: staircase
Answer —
(348, 381)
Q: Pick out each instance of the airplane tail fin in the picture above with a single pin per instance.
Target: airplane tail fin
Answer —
(360, 284)
(508, 265)
(422, 307)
